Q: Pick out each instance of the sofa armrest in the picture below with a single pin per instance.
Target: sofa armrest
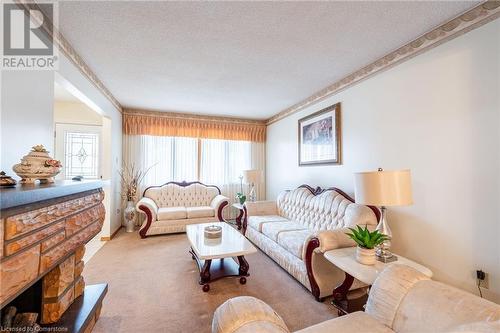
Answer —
(218, 203)
(261, 208)
(247, 314)
(334, 239)
(390, 289)
(147, 206)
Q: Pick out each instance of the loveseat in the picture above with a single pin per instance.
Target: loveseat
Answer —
(171, 206)
(401, 300)
(302, 224)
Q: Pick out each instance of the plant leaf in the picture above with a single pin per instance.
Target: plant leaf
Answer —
(359, 242)
(355, 233)
(350, 235)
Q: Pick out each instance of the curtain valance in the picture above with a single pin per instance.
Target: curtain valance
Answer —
(159, 124)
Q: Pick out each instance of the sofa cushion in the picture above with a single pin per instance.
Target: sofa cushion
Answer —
(449, 308)
(171, 213)
(272, 230)
(352, 323)
(478, 327)
(294, 241)
(256, 222)
(202, 211)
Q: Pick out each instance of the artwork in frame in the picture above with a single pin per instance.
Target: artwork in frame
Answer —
(319, 137)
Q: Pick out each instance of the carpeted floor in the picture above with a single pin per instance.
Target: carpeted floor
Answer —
(153, 287)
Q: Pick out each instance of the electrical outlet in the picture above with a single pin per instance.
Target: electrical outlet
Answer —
(483, 278)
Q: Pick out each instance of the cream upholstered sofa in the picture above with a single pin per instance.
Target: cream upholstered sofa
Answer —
(300, 226)
(171, 206)
(401, 300)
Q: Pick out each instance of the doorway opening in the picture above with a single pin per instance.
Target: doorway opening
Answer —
(79, 143)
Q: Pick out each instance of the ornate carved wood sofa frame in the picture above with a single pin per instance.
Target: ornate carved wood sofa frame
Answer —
(173, 205)
(302, 224)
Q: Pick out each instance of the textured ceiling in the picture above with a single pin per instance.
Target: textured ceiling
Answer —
(243, 59)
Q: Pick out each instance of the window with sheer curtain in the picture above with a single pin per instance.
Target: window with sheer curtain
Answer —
(223, 161)
(169, 158)
(211, 161)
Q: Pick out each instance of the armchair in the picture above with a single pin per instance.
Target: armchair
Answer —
(401, 300)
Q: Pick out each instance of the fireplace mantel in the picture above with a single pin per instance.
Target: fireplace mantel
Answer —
(43, 232)
(26, 195)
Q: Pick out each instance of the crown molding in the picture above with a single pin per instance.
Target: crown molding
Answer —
(472, 19)
(189, 116)
(77, 60)
(63, 45)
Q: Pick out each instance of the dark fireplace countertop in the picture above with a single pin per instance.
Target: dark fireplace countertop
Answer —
(27, 194)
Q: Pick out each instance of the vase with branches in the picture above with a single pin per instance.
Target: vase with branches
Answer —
(131, 179)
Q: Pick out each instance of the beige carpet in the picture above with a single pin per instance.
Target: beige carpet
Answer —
(153, 287)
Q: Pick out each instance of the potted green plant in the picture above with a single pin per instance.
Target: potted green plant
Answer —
(241, 198)
(366, 241)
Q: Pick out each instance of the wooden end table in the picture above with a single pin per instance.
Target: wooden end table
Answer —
(218, 258)
(345, 260)
(242, 214)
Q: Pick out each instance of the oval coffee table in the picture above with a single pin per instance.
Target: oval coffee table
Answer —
(221, 257)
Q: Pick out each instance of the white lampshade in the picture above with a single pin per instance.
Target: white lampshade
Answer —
(252, 176)
(383, 188)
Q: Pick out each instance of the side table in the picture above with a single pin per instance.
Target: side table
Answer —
(345, 260)
(242, 214)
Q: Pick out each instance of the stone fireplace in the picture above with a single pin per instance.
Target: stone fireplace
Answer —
(41, 252)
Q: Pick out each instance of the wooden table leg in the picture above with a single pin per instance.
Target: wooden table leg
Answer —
(205, 275)
(243, 270)
(239, 219)
(245, 216)
(191, 251)
(340, 294)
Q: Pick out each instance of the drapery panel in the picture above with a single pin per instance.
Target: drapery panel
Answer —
(163, 156)
(191, 126)
(211, 161)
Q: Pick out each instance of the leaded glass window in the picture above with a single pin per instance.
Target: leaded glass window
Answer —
(81, 155)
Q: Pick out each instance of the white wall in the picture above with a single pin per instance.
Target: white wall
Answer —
(75, 113)
(27, 99)
(71, 79)
(439, 115)
(78, 113)
(27, 102)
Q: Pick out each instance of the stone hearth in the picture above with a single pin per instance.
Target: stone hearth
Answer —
(42, 246)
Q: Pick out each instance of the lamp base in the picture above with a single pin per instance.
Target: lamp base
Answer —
(252, 196)
(383, 254)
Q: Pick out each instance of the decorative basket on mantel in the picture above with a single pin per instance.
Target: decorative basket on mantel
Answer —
(37, 165)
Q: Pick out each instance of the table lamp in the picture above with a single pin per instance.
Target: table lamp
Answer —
(252, 177)
(382, 189)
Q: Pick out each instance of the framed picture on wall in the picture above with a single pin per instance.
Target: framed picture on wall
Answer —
(319, 137)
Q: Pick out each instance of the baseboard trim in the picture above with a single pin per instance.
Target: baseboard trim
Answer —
(108, 238)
